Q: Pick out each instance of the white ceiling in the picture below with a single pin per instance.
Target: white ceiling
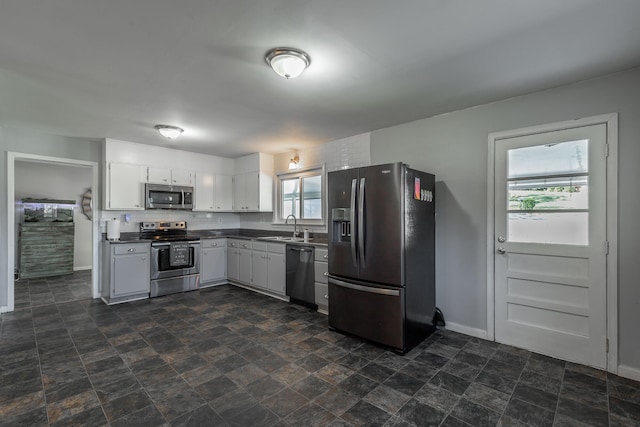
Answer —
(115, 68)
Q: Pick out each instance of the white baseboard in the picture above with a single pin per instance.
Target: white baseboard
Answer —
(4, 309)
(629, 372)
(474, 332)
(81, 268)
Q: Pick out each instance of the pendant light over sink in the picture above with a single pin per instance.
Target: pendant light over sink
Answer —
(288, 62)
(169, 132)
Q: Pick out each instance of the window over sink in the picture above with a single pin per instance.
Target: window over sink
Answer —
(301, 193)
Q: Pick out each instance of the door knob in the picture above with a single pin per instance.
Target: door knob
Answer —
(501, 239)
(501, 251)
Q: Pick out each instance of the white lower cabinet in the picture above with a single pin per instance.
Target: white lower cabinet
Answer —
(244, 262)
(321, 279)
(276, 268)
(268, 266)
(125, 272)
(233, 259)
(213, 261)
(239, 260)
(259, 264)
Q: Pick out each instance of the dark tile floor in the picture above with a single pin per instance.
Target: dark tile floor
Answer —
(54, 289)
(227, 356)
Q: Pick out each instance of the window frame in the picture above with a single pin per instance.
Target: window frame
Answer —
(319, 170)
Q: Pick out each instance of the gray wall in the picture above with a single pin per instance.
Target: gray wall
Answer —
(23, 141)
(454, 146)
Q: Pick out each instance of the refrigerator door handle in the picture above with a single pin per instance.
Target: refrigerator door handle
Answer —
(368, 289)
(354, 187)
(361, 219)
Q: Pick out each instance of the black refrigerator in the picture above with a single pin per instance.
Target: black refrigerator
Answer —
(382, 254)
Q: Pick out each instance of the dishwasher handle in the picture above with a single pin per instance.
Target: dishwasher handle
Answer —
(298, 249)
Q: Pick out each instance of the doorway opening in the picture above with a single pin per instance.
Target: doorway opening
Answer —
(39, 177)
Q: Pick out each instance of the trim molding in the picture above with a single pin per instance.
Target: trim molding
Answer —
(629, 372)
(467, 330)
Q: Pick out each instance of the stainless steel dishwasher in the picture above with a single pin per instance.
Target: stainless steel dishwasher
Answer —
(300, 275)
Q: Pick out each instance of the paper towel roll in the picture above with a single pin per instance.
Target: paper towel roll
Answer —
(113, 229)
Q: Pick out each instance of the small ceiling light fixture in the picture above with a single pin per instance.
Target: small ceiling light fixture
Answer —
(288, 62)
(293, 163)
(169, 132)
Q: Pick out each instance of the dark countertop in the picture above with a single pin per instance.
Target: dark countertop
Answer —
(317, 239)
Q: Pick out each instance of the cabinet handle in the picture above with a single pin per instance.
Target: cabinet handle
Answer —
(215, 244)
(326, 297)
(131, 250)
(325, 273)
(144, 258)
(326, 256)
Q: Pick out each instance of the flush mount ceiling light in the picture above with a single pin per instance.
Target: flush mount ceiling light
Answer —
(169, 132)
(287, 61)
(293, 163)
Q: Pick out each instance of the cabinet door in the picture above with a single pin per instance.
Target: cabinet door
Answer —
(126, 186)
(130, 275)
(158, 175)
(232, 261)
(181, 177)
(276, 272)
(239, 194)
(252, 191)
(259, 269)
(205, 183)
(223, 192)
(213, 265)
(244, 265)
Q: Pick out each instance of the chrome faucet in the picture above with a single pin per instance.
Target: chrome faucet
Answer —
(295, 224)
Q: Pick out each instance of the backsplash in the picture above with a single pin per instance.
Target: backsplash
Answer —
(195, 220)
(352, 152)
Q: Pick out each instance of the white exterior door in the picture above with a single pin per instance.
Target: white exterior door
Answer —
(550, 244)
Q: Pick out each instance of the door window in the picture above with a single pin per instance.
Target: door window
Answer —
(548, 193)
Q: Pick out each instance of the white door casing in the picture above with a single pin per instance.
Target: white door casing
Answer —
(12, 158)
(548, 287)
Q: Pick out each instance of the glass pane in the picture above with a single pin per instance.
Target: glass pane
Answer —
(312, 197)
(563, 228)
(291, 197)
(552, 193)
(549, 159)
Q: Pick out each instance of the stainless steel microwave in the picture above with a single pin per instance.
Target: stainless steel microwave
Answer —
(160, 196)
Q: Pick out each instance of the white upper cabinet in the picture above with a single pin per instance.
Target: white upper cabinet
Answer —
(223, 195)
(156, 175)
(213, 192)
(204, 188)
(124, 187)
(253, 183)
(181, 177)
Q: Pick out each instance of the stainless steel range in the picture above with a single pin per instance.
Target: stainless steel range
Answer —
(175, 257)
